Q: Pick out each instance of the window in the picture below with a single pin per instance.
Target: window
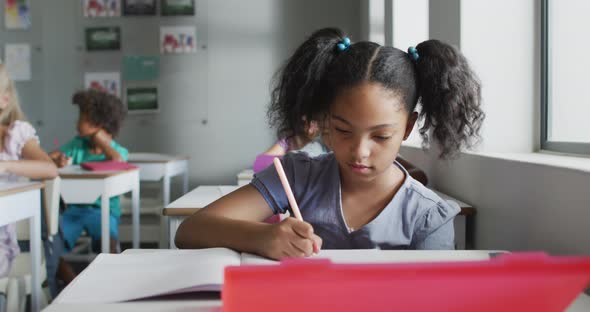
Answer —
(565, 71)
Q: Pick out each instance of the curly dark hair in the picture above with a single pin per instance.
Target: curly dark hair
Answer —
(102, 109)
(441, 80)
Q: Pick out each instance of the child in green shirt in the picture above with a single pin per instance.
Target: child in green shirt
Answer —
(100, 119)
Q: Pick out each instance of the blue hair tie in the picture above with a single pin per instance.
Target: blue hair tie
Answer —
(344, 44)
(413, 52)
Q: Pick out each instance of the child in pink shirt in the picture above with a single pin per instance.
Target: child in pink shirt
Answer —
(20, 155)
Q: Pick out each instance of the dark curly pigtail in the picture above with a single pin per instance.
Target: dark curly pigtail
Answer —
(296, 85)
(450, 94)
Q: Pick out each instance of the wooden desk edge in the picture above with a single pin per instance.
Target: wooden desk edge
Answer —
(30, 187)
(467, 211)
(95, 175)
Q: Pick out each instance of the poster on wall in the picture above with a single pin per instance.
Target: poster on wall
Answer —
(178, 39)
(177, 7)
(17, 14)
(18, 61)
(102, 8)
(103, 38)
(142, 99)
(139, 7)
(109, 82)
(139, 67)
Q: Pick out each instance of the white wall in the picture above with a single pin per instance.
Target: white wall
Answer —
(520, 205)
(410, 27)
(445, 21)
(410, 23)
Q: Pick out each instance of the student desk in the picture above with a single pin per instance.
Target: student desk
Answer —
(79, 186)
(245, 176)
(156, 167)
(208, 302)
(22, 200)
(159, 167)
(188, 204)
(211, 305)
(581, 304)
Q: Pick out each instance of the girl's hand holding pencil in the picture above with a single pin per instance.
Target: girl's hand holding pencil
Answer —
(293, 237)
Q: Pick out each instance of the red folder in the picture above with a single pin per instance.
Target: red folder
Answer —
(108, 165)
(511, 282)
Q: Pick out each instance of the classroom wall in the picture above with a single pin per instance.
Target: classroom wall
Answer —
(445, 21)
(520, 205)
(410, 27)
(213, 102)
(29, 95)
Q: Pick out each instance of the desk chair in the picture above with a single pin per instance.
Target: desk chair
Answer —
(18, 286)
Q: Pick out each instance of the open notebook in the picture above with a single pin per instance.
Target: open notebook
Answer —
(136, 275)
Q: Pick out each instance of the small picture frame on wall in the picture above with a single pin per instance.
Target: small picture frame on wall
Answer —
(178, 39)
(18, 61)
(17, 14)
(177, 7)
(139, 7)
(103, 38)
(109, 82)
(141, 67)
(102, 8)
(142, 100)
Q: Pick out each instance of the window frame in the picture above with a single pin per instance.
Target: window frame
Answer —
(553, 146)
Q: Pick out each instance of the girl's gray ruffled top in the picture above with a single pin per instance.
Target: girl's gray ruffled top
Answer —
(415, 218)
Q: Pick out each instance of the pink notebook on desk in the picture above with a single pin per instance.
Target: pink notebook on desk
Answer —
(108, 165)
(511, 282)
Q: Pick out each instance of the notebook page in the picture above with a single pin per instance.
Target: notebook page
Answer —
(384, 256)
(121, 277)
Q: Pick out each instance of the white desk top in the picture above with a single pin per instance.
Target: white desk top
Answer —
(246, 174)
(18, 201)
(144, 306)
(154, 158)
(447, 197)
(202, 196)
(76, 172)
(202, 302)
(581, 304)
(7, 188)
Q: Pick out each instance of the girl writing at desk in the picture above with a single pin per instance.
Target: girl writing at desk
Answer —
(357, 196)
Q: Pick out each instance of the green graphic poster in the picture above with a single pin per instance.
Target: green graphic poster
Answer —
(103, 38)
(142, 99)
(178, 7)
(141, 68)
